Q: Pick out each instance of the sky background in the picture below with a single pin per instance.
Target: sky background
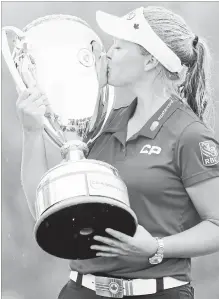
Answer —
(27, 271)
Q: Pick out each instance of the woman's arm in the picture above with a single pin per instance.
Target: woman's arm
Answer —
(203, 238)
(199, 240)
(34, 164)
(31, 107)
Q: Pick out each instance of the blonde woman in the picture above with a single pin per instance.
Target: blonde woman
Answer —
(166, 154)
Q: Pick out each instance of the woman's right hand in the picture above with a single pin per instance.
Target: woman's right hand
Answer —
(31, 107)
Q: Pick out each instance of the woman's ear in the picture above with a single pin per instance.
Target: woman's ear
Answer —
(150, 62)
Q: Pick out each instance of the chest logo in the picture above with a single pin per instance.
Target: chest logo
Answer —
(148, 149)
(209, 153)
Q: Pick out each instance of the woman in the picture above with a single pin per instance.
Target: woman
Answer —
(164, 152)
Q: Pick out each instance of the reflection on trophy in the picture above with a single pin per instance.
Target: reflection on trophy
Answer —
(80, 197)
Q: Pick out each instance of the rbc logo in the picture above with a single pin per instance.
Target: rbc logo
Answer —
(148, 149)
(209, 153)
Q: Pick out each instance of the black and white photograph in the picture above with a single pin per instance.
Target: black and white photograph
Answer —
(109, 149)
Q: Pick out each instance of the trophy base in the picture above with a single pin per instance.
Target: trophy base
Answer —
(67, 228)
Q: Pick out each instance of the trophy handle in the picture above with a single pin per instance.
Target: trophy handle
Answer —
(8, 56)
(20, 85)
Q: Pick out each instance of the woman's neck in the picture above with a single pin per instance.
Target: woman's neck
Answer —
(150, 99)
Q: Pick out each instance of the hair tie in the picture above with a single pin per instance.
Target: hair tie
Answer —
(195, 41)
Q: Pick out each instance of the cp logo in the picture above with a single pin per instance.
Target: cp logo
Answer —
(148, 149)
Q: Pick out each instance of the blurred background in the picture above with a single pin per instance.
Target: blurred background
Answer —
(27, 271)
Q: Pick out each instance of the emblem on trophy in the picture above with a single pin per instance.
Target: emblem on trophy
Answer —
(79, 197)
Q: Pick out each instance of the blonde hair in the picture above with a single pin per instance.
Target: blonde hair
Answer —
(193, 84)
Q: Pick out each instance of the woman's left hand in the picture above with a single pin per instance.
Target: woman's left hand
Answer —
(142, 244)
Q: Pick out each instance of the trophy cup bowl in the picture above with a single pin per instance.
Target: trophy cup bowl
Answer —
(79, 197)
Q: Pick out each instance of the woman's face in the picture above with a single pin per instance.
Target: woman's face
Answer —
(125, 63)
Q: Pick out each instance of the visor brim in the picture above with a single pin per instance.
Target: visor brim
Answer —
(113, 25)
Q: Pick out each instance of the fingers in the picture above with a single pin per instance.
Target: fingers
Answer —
(30, 95)
(108, 241)
(108, 250)
(41, 101)
(118, 235)
(35, 96)
(25, 94)
(42, 109)
(104, 248)
(31, 99)
(106, 254)
(33, 105)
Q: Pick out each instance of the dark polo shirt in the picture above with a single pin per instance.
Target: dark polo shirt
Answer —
(174, 150)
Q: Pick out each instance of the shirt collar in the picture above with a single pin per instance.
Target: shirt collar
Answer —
(120, 117)
(152, 126)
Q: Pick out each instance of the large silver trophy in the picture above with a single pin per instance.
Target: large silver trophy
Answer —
(80, 197)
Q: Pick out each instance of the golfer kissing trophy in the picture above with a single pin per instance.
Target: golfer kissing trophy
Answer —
(80, 197)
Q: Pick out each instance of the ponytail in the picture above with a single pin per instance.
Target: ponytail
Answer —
(193, 83)
(196, 87)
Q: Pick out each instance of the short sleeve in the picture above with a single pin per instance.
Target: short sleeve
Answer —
(197, 154)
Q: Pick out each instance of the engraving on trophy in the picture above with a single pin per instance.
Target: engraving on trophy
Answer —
(99, 185)
(85, 57)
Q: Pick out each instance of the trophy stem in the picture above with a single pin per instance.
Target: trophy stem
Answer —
(74, 150)
(74, 155)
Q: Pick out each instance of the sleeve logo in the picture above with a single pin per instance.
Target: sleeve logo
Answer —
(209, 153)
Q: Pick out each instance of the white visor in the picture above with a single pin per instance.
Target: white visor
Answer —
(133, 27)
